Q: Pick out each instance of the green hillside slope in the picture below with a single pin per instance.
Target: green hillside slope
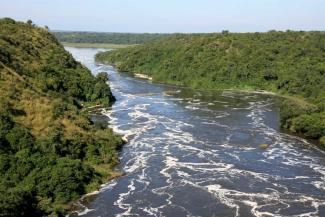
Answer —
(50, 150)
(288, 63)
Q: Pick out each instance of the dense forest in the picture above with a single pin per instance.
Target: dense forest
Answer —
(50, 150)
(289, 63)
(109, 38)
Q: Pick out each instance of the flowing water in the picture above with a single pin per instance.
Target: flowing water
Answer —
(193, 153)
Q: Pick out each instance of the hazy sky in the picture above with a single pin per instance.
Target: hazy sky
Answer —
(169, 15)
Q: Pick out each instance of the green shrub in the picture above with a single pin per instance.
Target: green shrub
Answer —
(322, 141)
(19, 138)
(313, 126)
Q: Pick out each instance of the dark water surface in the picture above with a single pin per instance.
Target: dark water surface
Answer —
(196, 153)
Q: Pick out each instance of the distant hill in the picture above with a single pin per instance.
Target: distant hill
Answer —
(108, 38)
(289, 63)
(50, 150)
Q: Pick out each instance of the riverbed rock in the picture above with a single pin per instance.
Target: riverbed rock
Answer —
(264, 146)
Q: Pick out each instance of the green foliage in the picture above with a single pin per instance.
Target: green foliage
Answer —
(292, 108)
(109, 38)
(322, 141)
(19, 138)
(102, 91)
(49, 148)
(62, 180)
(312, 125)
(6, 125)
(40, 57)
(289, 63)
(16, 202)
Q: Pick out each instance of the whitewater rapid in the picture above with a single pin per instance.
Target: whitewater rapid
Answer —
(192, 153)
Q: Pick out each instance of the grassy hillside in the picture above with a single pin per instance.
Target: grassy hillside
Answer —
(289, 63)
(108, 38)
(50, 150)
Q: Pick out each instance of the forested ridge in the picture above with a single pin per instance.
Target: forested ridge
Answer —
(289, 63)
(110, 38)
(50, 150)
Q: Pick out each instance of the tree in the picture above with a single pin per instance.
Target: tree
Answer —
(30, 22)
(6, 124)
(102, 77)
(19, 138)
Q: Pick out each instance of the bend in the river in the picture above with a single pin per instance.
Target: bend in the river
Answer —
(192, 153)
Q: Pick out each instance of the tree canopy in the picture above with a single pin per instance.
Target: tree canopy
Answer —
(109, 38)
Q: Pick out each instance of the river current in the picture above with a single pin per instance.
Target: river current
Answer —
(197, 153)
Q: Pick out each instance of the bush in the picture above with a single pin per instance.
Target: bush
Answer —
(19, 138)
(322, 141)
(292, 108)
(62, 181)
(6, 124)
(15, 202)
(102, 92)
(313, 126)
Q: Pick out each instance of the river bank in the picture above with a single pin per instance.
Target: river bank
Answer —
(107, 171)
(79, 207)
(294, 109)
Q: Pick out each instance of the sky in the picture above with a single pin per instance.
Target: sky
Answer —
(168, 16)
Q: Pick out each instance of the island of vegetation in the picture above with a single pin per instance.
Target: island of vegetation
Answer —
(289, 63)
(105, 39)
(50, 150)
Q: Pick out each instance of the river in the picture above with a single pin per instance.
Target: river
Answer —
(196, 153)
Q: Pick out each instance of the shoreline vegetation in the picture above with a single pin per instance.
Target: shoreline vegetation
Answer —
(80, 205)
(289, 64)
(107, 37)
(97, 45)
(51, 152)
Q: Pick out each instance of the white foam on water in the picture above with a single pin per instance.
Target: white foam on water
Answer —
(217, 190)
(184, 159)
(123, 205)
(191, 107)
(84, 209)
